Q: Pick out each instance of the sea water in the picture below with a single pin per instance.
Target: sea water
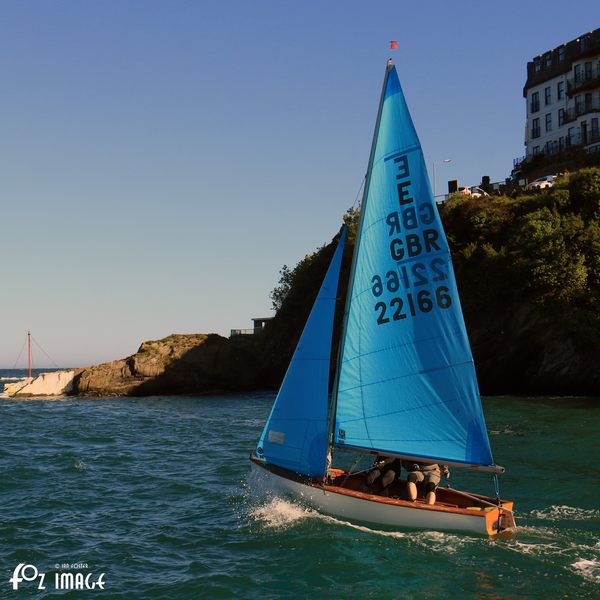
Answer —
(156, 494)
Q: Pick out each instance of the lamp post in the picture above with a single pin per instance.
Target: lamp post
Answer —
(446, 160)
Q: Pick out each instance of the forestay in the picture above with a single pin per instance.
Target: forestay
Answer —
(295, 435)
(407, 382)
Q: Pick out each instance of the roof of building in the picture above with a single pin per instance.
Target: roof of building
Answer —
(558, 61)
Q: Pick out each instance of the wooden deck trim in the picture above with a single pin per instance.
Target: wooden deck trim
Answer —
(397, 502)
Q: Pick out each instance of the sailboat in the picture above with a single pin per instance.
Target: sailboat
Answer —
(405, 382)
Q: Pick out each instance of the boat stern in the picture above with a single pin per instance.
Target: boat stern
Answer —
(499, 519)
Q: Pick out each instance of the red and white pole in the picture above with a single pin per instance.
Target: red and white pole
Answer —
(29, 353)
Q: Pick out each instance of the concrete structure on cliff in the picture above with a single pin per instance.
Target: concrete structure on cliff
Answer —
(56, 383)
(562, 94)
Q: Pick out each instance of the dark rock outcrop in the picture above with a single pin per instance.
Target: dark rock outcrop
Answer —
(523, 352)
(528, 271)
(177, 364)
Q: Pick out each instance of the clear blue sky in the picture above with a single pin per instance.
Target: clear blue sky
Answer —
(161, 160)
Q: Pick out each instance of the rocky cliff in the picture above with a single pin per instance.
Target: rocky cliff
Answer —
(177, 364)
(523, 352)
(528, 271)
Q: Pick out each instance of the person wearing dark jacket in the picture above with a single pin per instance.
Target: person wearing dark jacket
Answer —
(385, 467)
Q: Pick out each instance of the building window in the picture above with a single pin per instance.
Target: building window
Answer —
(548, 60)
(561, 54)
(595, 133)
(584, 42)
(587, 67)
(535, 128)
(537, 64)
(547, 96)
(561, 143)
(560, 90)
(577, 74)
(561, 116)
(548, 121)
(578, 105)
(588, 102)
(536, 150)
(535, 102)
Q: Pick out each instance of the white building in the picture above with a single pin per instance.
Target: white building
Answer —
(563, 98)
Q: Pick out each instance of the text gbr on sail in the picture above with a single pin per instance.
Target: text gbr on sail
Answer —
(413, 233)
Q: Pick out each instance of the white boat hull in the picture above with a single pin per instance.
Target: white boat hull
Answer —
(368, 508)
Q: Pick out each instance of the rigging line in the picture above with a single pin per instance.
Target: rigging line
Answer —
(47, 355)
(362, 183)
(351, 470)
(18, 357)
(497, 488)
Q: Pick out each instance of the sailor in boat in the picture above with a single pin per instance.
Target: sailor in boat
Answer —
(388, 469)
(426, 474)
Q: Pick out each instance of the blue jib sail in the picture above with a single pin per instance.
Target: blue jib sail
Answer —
(295, 435)
(407, 383)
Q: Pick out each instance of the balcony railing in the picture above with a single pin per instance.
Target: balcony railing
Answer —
(575, 140)
(583, 79)
(242, 332)
(571, 114)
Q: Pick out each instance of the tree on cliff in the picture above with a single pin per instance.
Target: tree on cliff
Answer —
(528, 271)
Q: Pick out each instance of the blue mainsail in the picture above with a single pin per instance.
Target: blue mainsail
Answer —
(406, 382)
(295, 435)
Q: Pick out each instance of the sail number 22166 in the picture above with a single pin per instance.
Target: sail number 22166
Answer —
(421, 302)
(414, 302)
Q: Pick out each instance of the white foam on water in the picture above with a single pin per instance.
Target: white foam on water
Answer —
(442, 541)
(364, 528)
(278, 513)
(573, 513)
(80, 465)
(508, 430)
(589, 569)
(533, 549)
(435, 541)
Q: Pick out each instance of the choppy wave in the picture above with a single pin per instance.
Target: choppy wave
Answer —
(281, 513)
(157, 491)
(278, 513)
(590, 569)
(559, 513)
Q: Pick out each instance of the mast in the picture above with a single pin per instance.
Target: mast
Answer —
(28, 354)
(363, 203)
